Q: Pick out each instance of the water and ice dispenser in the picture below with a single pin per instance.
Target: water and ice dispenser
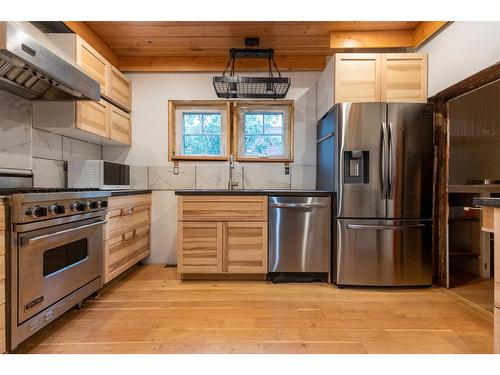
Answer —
(356, 167)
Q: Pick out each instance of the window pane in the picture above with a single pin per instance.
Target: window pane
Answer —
(273, 123)
(254, 123)
(212, 123)
(202, 145)
(191, 123)
(263, 145)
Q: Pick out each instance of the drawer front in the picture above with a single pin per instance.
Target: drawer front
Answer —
(120, 127)
(127, 213)
(2, 291)
(2, 216)
(245, 247)
(496, 349)
(2, 341)
(222, 208)
(125, 250)
(2, 267)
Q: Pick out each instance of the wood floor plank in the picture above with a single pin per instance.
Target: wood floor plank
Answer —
(149, 310)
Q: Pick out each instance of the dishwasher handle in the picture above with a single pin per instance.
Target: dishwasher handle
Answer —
(385, 227)
(299, 205)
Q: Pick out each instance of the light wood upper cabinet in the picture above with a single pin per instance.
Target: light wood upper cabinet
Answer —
(119, 88)
(120, 125)
(93, 63)
(380, 77)
(404, 77)
(245, 247)
(93, 117)
(199, 247)
(357, 77)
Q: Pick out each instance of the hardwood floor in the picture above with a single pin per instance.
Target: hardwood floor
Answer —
(150, 310)
(478, 291)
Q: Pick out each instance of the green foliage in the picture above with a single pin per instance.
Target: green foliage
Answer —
(263, 134)
(202, 133)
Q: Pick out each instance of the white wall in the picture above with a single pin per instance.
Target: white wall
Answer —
(459, 51)
(325, 98)
(149, 152)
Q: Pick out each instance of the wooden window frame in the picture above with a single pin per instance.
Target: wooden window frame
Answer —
(173, 105)
(259, 104)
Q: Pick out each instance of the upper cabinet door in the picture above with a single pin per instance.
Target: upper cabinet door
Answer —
(92, 63)
(120, 127)
(93, 117)
(404, 77)
(119, 88)
(357, 77)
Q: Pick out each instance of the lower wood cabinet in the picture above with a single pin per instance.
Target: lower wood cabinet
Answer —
(220, 247)
(235, 244)
(127, 234)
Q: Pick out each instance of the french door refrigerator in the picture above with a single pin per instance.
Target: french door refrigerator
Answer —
(383, 170)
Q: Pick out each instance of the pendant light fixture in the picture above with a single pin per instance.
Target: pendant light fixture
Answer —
(230, 86)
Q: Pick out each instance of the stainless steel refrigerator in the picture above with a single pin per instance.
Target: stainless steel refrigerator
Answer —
(378, 158)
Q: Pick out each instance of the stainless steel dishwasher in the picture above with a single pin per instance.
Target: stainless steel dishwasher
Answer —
(299, 238)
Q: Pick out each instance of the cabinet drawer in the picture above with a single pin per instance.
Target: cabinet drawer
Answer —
(125, 250)
(2, 341)
(2, 317)
(222, 208)
(2, 242)
(2, 216)
(245, 247)
(127, 213)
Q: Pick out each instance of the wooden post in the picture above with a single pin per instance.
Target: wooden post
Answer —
(441, 161)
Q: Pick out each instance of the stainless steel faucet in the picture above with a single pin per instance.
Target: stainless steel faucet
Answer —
(230, 183)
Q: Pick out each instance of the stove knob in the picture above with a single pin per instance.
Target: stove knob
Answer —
(38, 211)
(78, 206)
(92, 205)
(103, 204)
(57, 209)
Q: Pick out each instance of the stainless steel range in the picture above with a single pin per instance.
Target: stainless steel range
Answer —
(56, 245)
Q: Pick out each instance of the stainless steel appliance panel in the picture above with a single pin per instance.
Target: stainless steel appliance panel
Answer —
(325, 153)
(361, 130)
(410, 160)
(384, 252)
(53, 262)
(299, 234)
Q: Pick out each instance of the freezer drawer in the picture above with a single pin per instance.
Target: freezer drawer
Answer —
(299, 234)
(384, 252)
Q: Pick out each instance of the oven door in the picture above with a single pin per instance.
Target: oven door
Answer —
(54, 262)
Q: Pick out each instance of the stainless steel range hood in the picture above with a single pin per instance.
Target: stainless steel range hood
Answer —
(32, 67)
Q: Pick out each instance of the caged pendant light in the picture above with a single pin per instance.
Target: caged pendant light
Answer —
(273, 86)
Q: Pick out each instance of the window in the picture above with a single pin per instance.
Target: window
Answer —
(264, 131)
(198, 130)
(260, 130)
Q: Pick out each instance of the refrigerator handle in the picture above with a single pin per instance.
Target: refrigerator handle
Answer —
(392, 160)
(383, 160)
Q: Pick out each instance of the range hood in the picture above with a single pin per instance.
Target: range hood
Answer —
(32, 67)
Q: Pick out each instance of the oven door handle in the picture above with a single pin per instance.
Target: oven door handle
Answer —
(32, 240)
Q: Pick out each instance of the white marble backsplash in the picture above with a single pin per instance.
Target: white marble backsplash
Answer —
(209, 176)
(265, 177)
(15, 132)
(74, 149)
(303, 177)
(48, 173)
(47, 145)
(163, 177)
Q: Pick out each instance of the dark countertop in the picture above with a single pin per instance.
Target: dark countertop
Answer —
(486, 201)
(118, 193)
(288, 192)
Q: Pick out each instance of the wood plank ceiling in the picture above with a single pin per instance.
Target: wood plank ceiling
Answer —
(204, 46)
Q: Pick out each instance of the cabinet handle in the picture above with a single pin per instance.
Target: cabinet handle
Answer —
(128, 211)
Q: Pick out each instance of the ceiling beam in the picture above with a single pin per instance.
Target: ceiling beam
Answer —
(371, 39)
(425, 30)
(217, 64)
(87, 34)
